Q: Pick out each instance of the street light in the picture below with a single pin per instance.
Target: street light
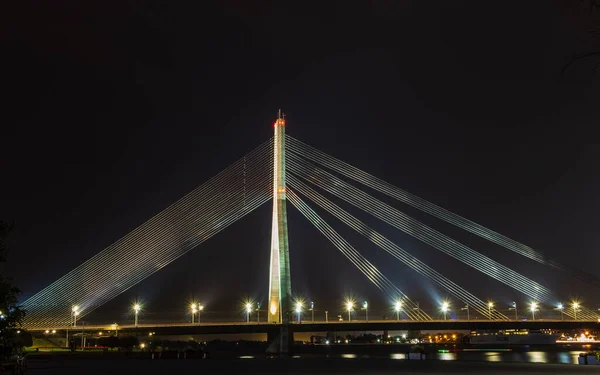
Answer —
(248, 311)
(398, 307)
(312, 311)
(258, 312)
(575, 307)
(533, 309)
(490, 307)
(366, 306)
(193, 312)
(200, 308)
(561, 308)
(514, 307)
(349, 307)
(445, 306)
(136, 309)
(75, 312)
(299, 310)
(468, 313)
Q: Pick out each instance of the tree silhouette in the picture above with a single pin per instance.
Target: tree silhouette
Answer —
(11, 314)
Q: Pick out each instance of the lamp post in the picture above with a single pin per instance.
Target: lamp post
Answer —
(366, 307)
(468, 313)
(200, 308)
(312, 311)
(533, 308)
(193, 311)
(299, 311)
(398, 307)
(575, 307)
(561, 308)
(326, 316)
(136, 309)
(490, 307)
(258, 312)
(248, 311)
(514, 307)
(445, 306)
(75, 311)
(418, 308)
(349, 307)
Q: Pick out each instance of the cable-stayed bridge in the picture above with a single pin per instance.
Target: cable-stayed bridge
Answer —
(285, 169)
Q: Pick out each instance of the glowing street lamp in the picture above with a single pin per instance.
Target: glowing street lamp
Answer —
(75, 312)
(533, 308)
(514, 307)
(366, 307)
(468, 313)
(312, 311)
(193, 311)
(490, 307)
(561, 308)
(248, 311)
(136, 309)
(349, 307)
(200, 308)
(397, 308)
(445, 306)
(576, 306)
(299, 310)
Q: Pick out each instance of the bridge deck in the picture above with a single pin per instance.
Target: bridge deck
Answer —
(379, 325)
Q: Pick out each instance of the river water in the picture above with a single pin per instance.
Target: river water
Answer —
(559, 355)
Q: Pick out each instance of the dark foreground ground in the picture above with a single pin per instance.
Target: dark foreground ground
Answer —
(294, 366)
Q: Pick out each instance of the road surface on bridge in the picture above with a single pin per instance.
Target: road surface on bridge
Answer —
(322, 326)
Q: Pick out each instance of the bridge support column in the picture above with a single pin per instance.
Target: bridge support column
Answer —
(279, 341)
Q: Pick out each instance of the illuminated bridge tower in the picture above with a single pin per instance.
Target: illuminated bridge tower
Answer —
(280, 285)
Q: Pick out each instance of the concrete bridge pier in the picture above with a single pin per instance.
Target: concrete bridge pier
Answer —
(280, 340)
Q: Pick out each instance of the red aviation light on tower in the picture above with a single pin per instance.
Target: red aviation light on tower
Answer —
(280, 119)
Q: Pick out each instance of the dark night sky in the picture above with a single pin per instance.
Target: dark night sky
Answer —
(113, 110)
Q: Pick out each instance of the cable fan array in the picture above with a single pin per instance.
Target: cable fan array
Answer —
(230, 195)
(301, 163)
(246, 185)
(351, 172)
(411, 309)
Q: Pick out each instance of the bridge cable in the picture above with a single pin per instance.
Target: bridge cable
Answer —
(390, 190)
(418, 230)
(413, 227)
(359, 261)
(409, 260)
(181, 227)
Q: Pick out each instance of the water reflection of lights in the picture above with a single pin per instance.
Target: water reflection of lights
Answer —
(246, 357)
(447, 356)
(398, 356)
(568, 358)
(539, 357)
(492, 357)
(348, 355)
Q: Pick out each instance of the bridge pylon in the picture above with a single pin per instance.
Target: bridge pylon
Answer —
(280, 286)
